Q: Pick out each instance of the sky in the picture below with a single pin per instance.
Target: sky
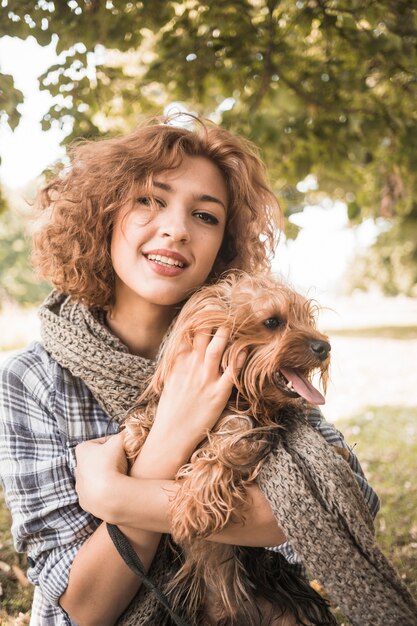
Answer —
(28, 150)
(315, 263)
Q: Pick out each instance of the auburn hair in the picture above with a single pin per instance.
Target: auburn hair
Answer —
(72, 247)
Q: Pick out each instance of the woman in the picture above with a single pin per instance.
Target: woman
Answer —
(134, 226)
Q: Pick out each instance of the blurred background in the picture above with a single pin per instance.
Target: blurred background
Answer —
(327, 89)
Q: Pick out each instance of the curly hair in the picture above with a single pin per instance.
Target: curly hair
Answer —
(72, 247)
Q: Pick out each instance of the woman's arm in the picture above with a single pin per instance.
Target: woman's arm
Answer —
(100, 584)
(134, 502)
(196, 388)
(118, 499)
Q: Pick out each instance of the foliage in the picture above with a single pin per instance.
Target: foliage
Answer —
(325, 87)
(3, 203)
(391, 263)
(10, 98)
(17, 280)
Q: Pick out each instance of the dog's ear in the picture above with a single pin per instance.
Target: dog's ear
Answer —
(204, 312)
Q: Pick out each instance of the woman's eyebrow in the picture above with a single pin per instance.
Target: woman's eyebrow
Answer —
(205, 197)
(160, 185)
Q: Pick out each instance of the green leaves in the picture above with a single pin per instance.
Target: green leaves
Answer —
(327, 88)
(10, 98)
(17, 280)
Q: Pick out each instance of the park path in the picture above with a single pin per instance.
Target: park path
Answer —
(370, 370)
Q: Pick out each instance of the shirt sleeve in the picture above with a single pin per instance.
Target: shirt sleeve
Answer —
(37, 472)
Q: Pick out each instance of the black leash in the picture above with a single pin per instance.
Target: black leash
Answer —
(133, 561)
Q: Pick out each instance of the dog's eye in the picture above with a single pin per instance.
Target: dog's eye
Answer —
(273, 322)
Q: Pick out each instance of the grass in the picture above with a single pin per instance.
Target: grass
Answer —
(386, 443)
(15, 595)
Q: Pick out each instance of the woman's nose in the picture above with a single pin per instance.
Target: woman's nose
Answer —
(174, 225)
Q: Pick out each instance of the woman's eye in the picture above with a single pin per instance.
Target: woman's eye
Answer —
(206, 217)
(149, 201)
(271, 323)
(144, 200)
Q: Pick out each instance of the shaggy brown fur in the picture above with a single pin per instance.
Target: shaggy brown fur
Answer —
(221, 584)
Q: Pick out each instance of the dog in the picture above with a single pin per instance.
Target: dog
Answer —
(219, 584)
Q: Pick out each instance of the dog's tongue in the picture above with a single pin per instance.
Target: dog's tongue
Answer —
(303, 387)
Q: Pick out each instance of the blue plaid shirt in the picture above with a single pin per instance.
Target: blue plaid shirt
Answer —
(44, 413)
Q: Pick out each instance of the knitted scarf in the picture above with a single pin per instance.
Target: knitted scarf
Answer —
(78, 339)
(311, 489)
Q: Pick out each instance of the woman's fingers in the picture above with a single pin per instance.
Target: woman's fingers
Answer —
(103, 453)
(200, 342)
(107, 439)
(99, 464)
(213, 348)
(207, 352)
(240, 362)
(216, 347)
(196, 390)
(241, 358)
(203, 338)
(231, 373)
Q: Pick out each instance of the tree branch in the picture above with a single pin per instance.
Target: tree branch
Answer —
(268, 65)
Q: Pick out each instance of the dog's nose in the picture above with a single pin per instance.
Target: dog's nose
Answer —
(320, 349)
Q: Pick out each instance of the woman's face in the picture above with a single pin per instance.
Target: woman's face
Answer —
(162, 256)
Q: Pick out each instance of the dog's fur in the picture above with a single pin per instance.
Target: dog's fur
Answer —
(222, 584)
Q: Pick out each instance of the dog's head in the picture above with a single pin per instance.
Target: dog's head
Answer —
(275, 327)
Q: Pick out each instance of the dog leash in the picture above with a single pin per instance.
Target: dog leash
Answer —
(133, 561)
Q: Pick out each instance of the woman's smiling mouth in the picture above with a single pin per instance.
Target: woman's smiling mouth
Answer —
(166, 262)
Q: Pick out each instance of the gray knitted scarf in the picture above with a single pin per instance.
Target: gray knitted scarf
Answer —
(310, 488)
(78, 339)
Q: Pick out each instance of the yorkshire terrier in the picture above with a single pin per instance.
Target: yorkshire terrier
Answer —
(220, 584)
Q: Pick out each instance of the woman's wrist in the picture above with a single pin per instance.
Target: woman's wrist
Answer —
(162, 455)
(107, 501)
(143, 542)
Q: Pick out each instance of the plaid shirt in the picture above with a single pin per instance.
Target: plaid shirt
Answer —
(44, 413)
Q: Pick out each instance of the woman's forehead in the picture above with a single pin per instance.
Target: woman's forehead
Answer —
(200, 174)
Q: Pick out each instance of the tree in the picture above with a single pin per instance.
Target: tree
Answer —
(10, 98)
(18, 282)
(391, 263)
(324, 87)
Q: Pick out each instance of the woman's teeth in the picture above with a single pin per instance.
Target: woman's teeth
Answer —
(164, 260)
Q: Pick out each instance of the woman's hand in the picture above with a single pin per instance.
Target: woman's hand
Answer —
(196, 391)
(194, 396)
(100, 462)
